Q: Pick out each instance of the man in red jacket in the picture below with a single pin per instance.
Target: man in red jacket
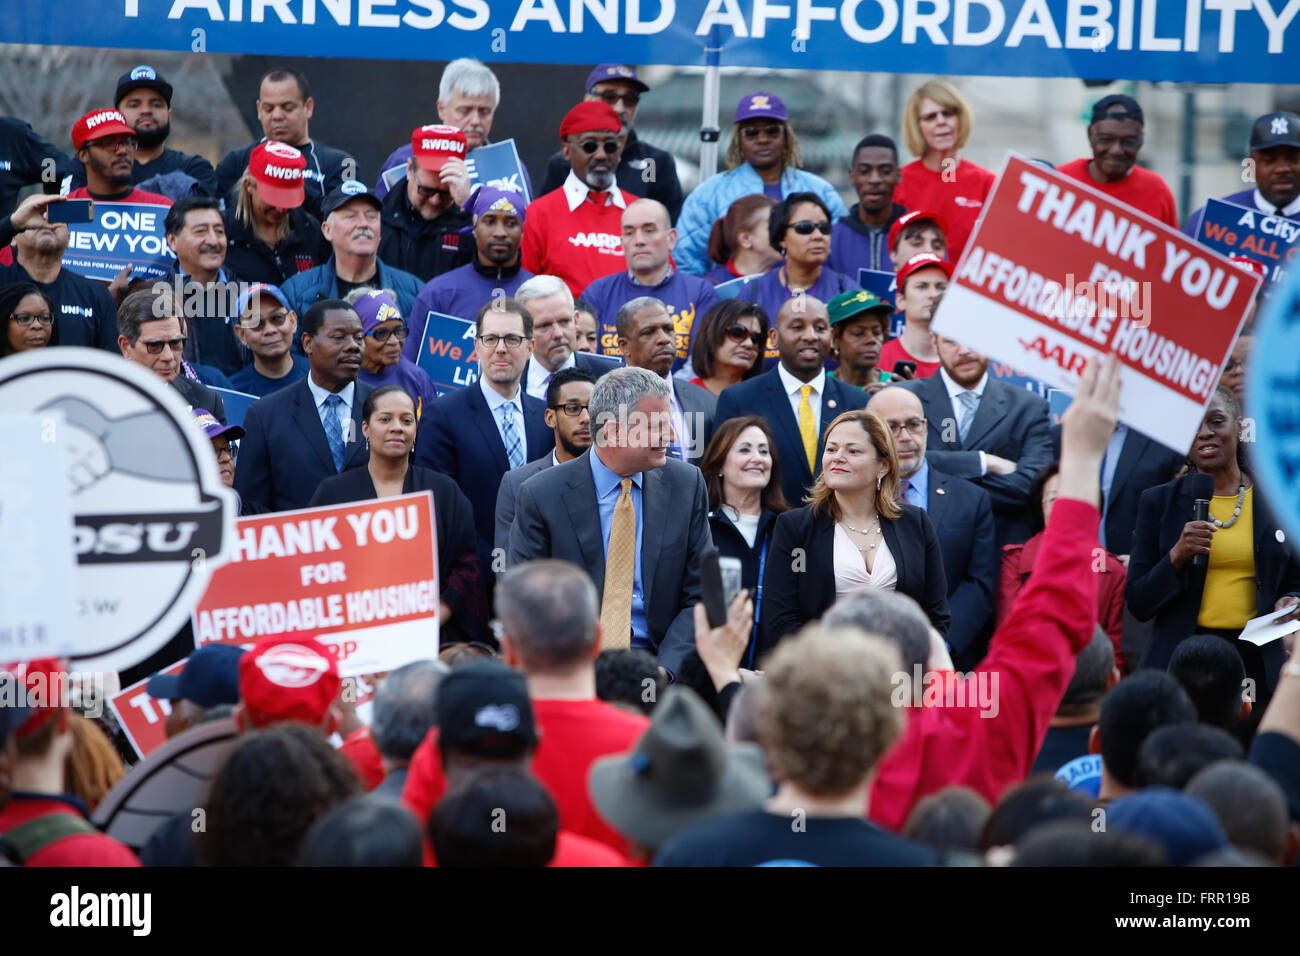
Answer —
(550, 632)
(576, 232)
(41, 824)
(988, 745)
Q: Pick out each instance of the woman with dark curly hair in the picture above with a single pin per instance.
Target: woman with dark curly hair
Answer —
(274, 785)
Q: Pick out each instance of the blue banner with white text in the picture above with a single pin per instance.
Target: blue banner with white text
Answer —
(1208, 41)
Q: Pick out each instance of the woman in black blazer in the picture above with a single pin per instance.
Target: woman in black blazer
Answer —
(854, 532)
(389, 423)
(1165, 584)
(744, 481)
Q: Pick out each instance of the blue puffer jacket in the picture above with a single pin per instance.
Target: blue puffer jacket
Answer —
(307, 288)
(711, 199)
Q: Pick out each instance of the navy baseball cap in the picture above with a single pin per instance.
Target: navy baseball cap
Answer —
(146, 77)
(1275, 129)
(483, 709)
(1183, 825)
(1117, 106)
(608, 72)
(210, 677)
(350, 189)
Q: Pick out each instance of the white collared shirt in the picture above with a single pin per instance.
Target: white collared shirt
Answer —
(576, 192)
(494, 403)
(319, 395)
(539, 378)
(792, 388)
(1263, 205)
(954, 390)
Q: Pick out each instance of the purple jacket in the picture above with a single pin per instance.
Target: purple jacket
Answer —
(408, 375)
(855, 246)
(460, 292)
(687, 298)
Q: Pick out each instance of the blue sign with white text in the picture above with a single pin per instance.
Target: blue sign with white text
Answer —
(1273, 241)
(121, 234)
(497, 164)
(447, 352)
(1170, 40)
(885, 285)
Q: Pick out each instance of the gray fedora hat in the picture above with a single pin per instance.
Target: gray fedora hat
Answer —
(682, 772)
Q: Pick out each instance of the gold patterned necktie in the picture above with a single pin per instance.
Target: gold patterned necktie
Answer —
(808, 430)
(620, 569)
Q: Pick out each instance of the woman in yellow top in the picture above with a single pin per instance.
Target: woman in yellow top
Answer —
(1250, 569)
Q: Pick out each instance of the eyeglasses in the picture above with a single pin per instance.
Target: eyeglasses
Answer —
(753, 132)
(613, 96)
(805, 227)
(230, 451)
(253, 323)
(572, 409)
(382, 335)
(1232, 366)
(155, 347)
(739, 333)
(27, 318)
(426, 193)
(610, 146)
(914, 426)
(490, 342)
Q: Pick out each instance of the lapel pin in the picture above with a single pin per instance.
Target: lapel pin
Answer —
(1281, 536)
(831, 403)
(938, 491)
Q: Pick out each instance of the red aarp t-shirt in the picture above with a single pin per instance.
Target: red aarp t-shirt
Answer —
(893, 351)
(1141, 189)
(959, 197)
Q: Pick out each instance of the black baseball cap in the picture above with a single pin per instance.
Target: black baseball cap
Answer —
(1117, 106)
(209, 678)
(143, 76)
(483, 709)
(1275, 129)
(349, 190)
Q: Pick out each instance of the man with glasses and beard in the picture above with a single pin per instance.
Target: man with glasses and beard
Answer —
(145, 100)
(423, 221)
(267, 326)
(575, 232)
(106, 147)
(645, 170)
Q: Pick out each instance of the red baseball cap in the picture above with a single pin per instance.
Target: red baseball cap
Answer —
(277, 170)
(288, 677)
(907, 219)
(434, 145)
(922, 260)
(44, 688)
(592, 116)
(97, 124)
(1247, 264)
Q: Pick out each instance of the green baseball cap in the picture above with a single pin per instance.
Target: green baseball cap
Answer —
(848, 304)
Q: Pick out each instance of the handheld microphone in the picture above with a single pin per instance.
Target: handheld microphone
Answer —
(1202, 489)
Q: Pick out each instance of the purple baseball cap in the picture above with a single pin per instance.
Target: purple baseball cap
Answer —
(761, 106)
(615, 71)
(213, 428)
(375, 308)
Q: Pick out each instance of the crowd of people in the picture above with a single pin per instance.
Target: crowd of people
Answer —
(962, 629)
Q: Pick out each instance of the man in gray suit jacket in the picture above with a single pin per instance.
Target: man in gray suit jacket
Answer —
(572, 511)
(997, 435)
(647, 339)
(567, 398)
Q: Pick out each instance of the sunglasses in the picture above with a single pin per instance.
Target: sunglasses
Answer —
(805, 227)
(739, 333)
(753, 132)
(613, 96)
(589, 146)
(382, 335)
(426, 193)
(155, 347)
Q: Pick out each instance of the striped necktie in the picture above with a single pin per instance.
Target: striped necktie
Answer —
(514, 446)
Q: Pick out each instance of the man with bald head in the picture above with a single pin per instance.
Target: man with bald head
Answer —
(962, 515)
(648, 242)
(796, 397)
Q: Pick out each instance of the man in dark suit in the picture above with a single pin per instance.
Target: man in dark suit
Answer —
(567, 398)
(797, 398)
(647, 339)
(310, 430)
(152, 333)
(994, 434)
(555, 329)
(488, 428)
(962, 516)
(635, 520)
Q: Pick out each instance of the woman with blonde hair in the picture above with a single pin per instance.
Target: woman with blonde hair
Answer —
(937, 123)
(854, 531)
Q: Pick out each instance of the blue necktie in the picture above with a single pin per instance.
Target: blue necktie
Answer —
(514, 447)
(970, 401)
(333, 430)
